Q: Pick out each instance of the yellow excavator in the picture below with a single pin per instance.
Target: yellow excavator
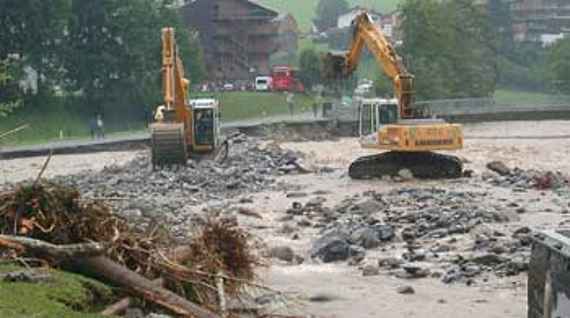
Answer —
(183, 127)
(408, 135)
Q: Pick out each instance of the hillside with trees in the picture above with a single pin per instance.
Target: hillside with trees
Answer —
(305, 11)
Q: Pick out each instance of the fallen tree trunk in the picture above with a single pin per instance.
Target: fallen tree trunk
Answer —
(179, 254)
(117, 308)
(139, 285)
(38, 247)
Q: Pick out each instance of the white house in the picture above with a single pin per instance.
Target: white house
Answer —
(345, 20)
(388, 22)
(550, 39)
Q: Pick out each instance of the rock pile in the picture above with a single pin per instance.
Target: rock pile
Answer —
(250, 167)
(524, 179)
(424, 225)
(491, 254)
(437, 213)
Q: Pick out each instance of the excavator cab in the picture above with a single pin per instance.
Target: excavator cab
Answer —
(373, 114)
(207, 115)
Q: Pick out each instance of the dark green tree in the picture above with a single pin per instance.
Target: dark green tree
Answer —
(500, 19)
(449, 47)
(559, 66)
(9, 100)
(310, 68)
(114, 52)
(328, 12)
(34, 32)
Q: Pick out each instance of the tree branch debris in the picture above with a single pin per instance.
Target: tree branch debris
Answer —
(55, 225)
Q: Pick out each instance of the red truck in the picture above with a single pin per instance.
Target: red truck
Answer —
(285, 79)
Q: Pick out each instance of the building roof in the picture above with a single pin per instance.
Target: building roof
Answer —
(356, 8)
(271, 12)
(262, 6)
(287, 20)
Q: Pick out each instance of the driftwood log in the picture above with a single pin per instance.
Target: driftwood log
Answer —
(122, 305)
(117, 308)
(39, 248)
(179, 255)
(139, 285)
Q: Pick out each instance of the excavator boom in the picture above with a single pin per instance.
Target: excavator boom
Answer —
(174, 85)
(366, 33)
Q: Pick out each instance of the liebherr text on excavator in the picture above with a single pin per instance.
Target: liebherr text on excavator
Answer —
(409, 134)
(184, 127)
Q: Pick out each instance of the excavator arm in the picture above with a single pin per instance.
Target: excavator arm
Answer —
(172, 134)
(175, 86)
(366, 33)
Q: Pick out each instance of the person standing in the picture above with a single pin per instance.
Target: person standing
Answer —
(290, 102)
(316, 103)
(100, 127)
(93, 126)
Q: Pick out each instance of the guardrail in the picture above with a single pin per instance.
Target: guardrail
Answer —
(466, 106)
(463, 107)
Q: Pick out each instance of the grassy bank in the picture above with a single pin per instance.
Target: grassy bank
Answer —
(47, 126)
(63, 295)
(43, 126)
(249, 105)
(521, 98)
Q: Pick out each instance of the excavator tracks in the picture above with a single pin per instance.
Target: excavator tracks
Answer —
(423, 165)
(168, 142)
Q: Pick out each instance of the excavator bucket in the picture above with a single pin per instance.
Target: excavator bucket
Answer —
(334, 66)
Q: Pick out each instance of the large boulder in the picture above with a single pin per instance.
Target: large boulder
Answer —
(372, 236)
(331, 247)
(284, 253)
(499, 167)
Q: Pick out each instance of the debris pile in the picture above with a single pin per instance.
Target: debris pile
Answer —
(525, 179)
(250, 167)
(491, 253)
(284, 133)
(423, 224)
(53, 223)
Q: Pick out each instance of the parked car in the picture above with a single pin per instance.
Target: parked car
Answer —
(263, 83)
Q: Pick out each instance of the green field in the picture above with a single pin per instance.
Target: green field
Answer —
(50, 125)
(304, 10)
(521, 98)
(250, 105)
